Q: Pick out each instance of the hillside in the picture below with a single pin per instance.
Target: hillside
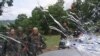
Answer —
(4, 22)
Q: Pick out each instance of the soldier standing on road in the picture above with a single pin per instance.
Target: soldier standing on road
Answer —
(12, 48)
(37, 41)
(22, 37)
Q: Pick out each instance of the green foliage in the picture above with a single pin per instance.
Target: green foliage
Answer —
(21, 21)
(41, 18)
(87, 11)
(2, 28)
(57, 10)
(37, 16)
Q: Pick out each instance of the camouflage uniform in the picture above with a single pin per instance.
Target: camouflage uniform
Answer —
(37, 42)
(22, 38)
(12, 47)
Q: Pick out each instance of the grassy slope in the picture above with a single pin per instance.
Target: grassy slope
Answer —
(52, 42)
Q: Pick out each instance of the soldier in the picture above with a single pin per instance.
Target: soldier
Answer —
(12, 48)
(22, 37)
(37, 41)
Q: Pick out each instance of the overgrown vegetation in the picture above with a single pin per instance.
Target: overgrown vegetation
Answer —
(86, 11)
